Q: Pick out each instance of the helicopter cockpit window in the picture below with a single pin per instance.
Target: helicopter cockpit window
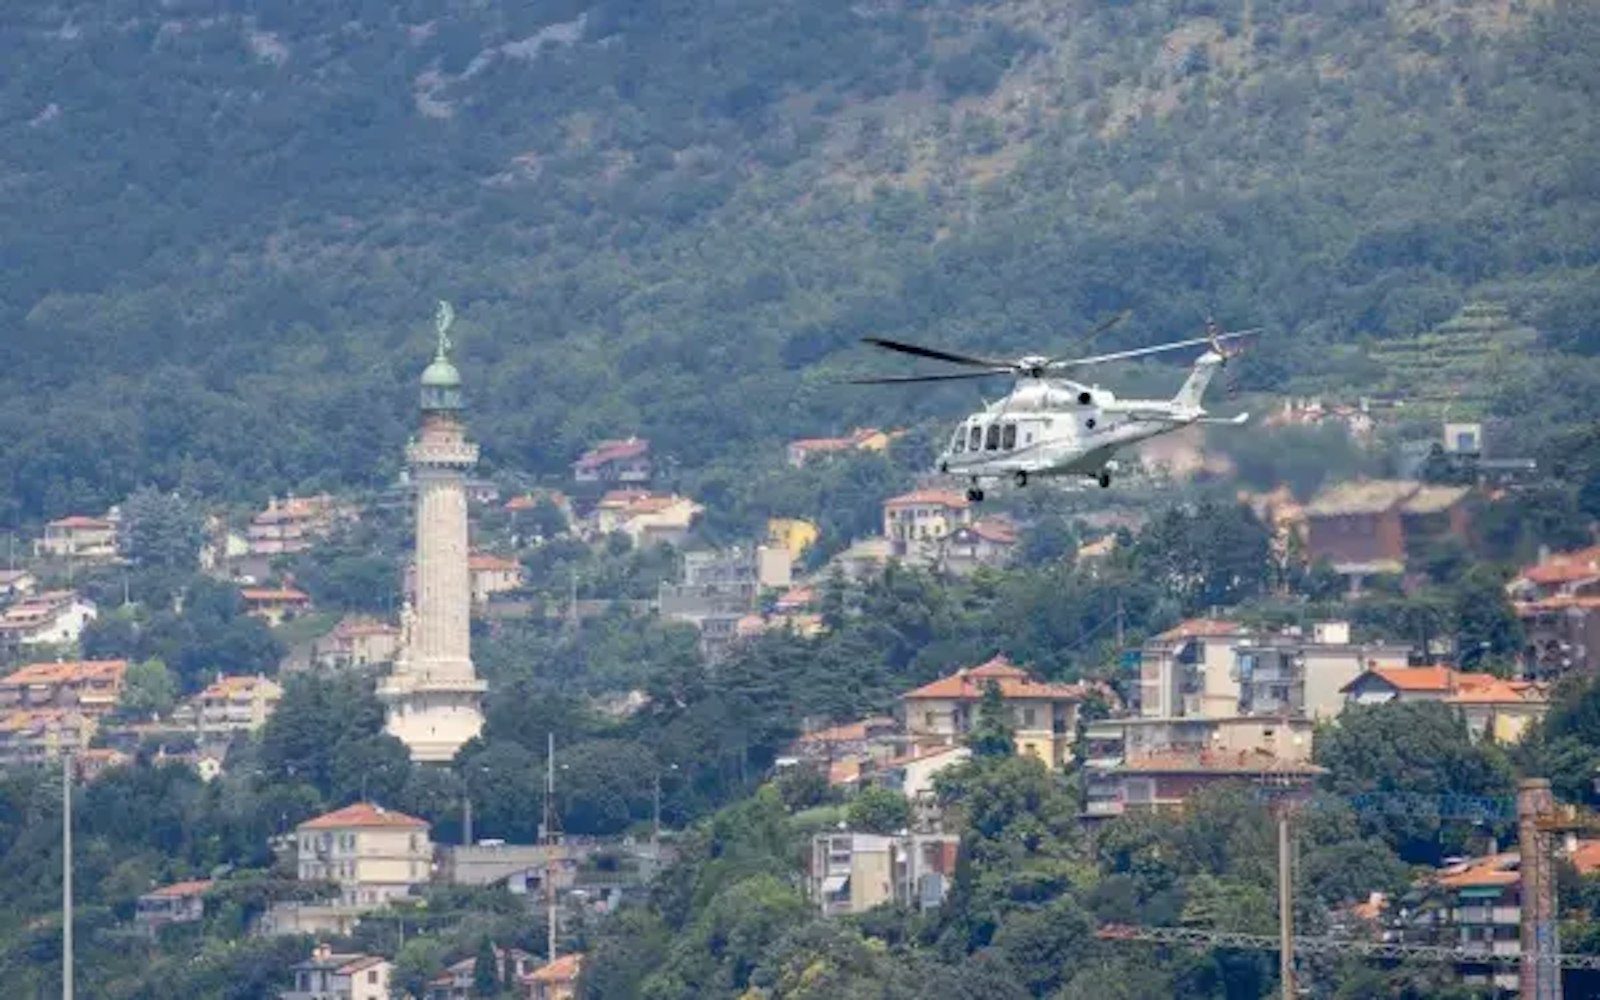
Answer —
(977, 438)
(1009, 440)
(992, 441)
(958, 443)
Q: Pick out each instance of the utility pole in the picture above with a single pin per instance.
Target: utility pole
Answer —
(466, 817)
(1285, 906)
(66, 876)
(550, 848)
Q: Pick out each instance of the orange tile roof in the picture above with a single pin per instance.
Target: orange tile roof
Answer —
(797, 597)
(939, 498)
(363, 815)
(968, 685)
(612, 451)
(1200, 628)
(1560, 602)
(287, 595)
(622, 498)
(360, 964)
(849, 732)
(74, 672)
(1586, 857)
(80, 521)
(563, 970)
(1565, 567)
(483, 562)
(1492, 690)
(222, 687)
(844, 772)
(180, 889)
(1497, 869)
(994, 530)
(29, 720)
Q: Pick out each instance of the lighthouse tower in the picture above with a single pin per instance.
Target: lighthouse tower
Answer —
(433, 699)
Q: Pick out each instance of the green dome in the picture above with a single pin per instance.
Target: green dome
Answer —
(441, 375)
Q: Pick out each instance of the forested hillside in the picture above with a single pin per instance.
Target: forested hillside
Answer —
(224, 222)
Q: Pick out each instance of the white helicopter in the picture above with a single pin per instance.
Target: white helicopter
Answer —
(1050, 425)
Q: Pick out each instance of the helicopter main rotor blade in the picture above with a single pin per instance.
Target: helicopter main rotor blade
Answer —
(1139, 352)
(948, 376)
(1092, 335)
(938, 355)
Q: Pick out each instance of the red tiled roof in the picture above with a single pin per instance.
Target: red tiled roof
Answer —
(994, 530)
(1200, 628)
(363, 815)
(67, 673)
(968, 685)
(1566, 567)
(849, 732)
(483, 562)
(181, 889)
(361, 964)
(612, 451)
(80, 521)
(797, 597)
(939, 498)
(1497, 869)
(1586, 857)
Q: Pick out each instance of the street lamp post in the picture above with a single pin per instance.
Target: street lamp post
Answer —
(66, 876)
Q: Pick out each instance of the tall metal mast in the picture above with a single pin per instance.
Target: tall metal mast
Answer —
(66, 876)
(550, 848)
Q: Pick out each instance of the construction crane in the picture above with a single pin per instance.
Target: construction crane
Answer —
(1538, 819)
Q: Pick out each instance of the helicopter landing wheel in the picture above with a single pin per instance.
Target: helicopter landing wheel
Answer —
(974, 495)
(1105, 478)
(1021, 477)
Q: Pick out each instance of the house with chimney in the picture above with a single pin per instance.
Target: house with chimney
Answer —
(555, 980)
(990, 541)
(646, 518)
(357, 642)
(331, 975)
(293, 524)
(622, 461)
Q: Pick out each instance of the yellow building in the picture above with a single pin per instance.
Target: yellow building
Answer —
(374, 854)
(1044, 716)
(792, 533)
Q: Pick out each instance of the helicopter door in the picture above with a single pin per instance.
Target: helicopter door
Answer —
(1008, 437)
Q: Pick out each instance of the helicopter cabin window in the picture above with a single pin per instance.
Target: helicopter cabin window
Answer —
(1008, 440)
(958, 442)
(976, 442)
(992, 441)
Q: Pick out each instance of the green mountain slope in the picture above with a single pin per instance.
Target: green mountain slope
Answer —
(224, 223)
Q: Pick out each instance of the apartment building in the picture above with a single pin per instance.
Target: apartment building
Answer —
(79, 538)
(374, 855)
(51, 618)
(1045, 716)
(35, 736)
(717, 590)
(230, 705)
(91, 687)
(854, 872)
(917, 523)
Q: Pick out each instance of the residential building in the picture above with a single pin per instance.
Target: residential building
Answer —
(1110, 743)
(720, 589)
(34, 736)
(1475, 905)
(1188, 670)
(328, 975)
(16, 583)
(357, 642)
(619, 461)
(294, 524)
(524, 504)
(1044, 716)
(854, 872)
(1355, 419)
(79, 538)
(877, 737)
(792, 534)
(1304, 677)
(917, 523)
(91, 687)
(1558, 603)
(52, 618)
(646, 518)
(230, 705)
(912, 776)
(863, 559)
(991, 541)
(1165, 781)
(183, 903)
(275, 605)
(490, 575)
(372, 854)
(555, 980)
(96, 761)
(1493, 708)
(861, 439)
(1368, 528)
(456, 983)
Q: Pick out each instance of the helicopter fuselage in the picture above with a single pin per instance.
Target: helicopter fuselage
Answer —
(1056, 427)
